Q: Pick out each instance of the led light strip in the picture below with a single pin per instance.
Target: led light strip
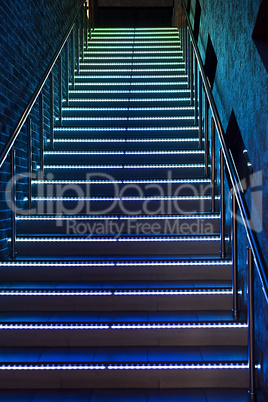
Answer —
(122, 140)
(145, 91)
(113, 293)
(108, 77)
(127, 326)
(132, 366)
(146, 181)
(126, 109)
(127, 118)
(129, 100)
(133, 52)
(137, 198)
(130, 263)
(160, 42)
(117, 218)
(131, 70)
(113, 239)
(167, 166)
(183, 128)
(133, 47)
(131, 83)
(133, 57)
(133, 64)
(198, 152)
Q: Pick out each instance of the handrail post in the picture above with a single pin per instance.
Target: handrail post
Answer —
(86, 25)
(188, 58)
(67, 73)
(52, 110)
(222, 204)
(191, 75)
(73, 59)
(250, 321)
(78, 50)
(13, 204)
(60, 91)
(212, 165)
(234, 256)
(206, 134)
(41, 116)
(29, 146)
(200, 101)
(195, 91)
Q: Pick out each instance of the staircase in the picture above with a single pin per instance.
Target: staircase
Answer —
(118, 292)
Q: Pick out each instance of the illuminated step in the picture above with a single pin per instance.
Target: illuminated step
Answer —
(134, 298)
(131, 91)
(64, 142)
(134, 51)
(136, 224)
(102, 77)
(112, 269)
(124, 119)
(135, 42)
(133, 64)
(52, 246)
(134, 47)
(134, 100)
(136, 70)
(130, 84)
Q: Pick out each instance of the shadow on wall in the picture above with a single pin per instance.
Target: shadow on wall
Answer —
(260, 33)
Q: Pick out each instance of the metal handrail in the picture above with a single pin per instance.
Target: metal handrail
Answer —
(251, 234)
(36, 93)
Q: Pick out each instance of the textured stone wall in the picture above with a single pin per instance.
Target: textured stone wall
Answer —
(241, 85)
(30, 32)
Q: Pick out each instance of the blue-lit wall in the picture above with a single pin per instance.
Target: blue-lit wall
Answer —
(241, 84)
(30, 32)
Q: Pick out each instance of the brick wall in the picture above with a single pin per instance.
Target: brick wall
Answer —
(240, 82)
(30, 33)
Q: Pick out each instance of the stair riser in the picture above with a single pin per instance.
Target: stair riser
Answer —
(99, 273)
(90, 379)
(128, 95)
(134, 80)
(137, 102)
(151, 188)
(86, 249)
(124, 206)
(123, 159)
(116, 303)
(184, 226)
(123, 173)
(117, 338)
(125, 134)
(66, 145)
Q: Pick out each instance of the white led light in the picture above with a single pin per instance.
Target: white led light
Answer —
(56, 264)
(154, 181)
(125, 109)
(84, 153)
(129, 100)
(145, 366)
(171, 292)
(177, 166)
(133, 64)
(133, 57)
(112, 239)
(133, 48)
(90, 129)
(131, 70)
(130, 83)
(114, 217)
(133, 51)
(164, 152)
(54, 326)
(54, 293)
(180, 263)
(137, 198)
(120, 140)
(145, 91)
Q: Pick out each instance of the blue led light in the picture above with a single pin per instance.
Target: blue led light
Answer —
(135, 366)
